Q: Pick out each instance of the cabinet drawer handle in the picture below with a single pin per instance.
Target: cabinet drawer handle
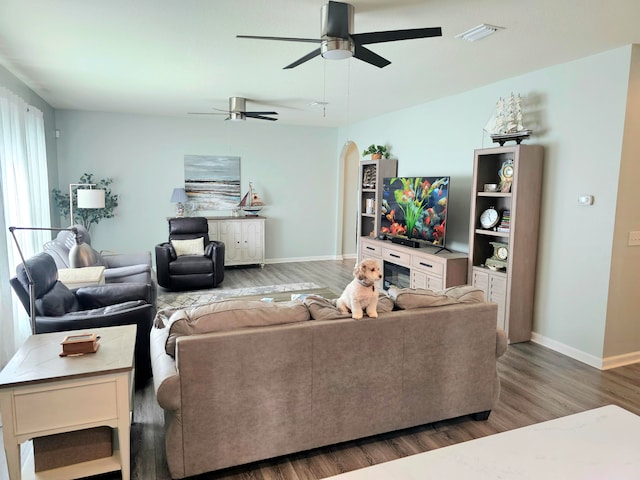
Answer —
(394, 255)
(426, 265)
(370, 248)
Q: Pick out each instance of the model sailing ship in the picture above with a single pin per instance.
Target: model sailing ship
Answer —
(251, 203)
(506, 123)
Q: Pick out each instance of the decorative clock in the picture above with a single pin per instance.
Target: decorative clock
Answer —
(500, 257)
(506, 176)
(489, 218)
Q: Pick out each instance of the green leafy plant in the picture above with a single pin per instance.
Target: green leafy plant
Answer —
(87, 216)
(376, 149)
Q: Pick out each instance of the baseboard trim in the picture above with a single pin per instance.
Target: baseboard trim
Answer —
(620, 360)
(302, 259)
(591, 360)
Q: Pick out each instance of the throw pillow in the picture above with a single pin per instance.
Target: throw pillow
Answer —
(57, 301)
(231, 315)
(194, 246)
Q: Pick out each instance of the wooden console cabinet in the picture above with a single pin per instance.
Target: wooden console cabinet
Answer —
(426, 268)
(243, 239)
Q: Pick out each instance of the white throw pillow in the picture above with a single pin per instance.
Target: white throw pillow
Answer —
(188, 247)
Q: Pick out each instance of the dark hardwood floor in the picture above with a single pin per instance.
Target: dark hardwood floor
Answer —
(538, 384)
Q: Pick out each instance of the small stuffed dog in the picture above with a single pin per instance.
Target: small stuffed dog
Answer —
(361, 293)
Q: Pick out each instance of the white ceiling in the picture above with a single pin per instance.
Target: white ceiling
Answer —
(170, 57)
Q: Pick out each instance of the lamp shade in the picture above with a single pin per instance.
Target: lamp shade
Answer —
(179, 195)
(90, 198)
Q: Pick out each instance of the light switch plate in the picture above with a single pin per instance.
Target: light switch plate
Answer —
(634, 238)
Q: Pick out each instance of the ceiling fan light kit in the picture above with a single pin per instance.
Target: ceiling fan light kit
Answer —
(338, 43)
(479, 32)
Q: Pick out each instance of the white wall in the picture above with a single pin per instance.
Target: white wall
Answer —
(293, 168)
(577, 112)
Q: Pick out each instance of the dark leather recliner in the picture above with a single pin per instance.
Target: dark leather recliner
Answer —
(59, 309)
(191, 271)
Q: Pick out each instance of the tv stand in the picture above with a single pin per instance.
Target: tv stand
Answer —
(428, 268)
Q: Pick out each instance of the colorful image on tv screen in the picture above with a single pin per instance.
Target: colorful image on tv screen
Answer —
(415, 207)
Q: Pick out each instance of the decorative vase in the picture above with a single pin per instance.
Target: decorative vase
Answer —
(376, 156)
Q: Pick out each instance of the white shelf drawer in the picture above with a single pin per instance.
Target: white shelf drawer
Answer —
(48, 409)
(428, 265)
(396, 256)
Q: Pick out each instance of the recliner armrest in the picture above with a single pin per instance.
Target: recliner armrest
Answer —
(112, 293)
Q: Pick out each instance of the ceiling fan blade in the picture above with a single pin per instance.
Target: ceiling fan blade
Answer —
(307, 57)
(260, 117)
(261, 113)
(393, 35)
(338, 20)
(366, 55)
(284, 39)
(207, 113)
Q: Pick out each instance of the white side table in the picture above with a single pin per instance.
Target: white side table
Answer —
(43, 394)
(81, 277)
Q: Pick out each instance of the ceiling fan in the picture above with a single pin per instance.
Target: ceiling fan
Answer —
(238, 111)
(337, 42)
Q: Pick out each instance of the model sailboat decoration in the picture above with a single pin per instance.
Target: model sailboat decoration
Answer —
(506, 123)
(251, 203)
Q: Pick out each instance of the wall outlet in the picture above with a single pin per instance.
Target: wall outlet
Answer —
(634, 239)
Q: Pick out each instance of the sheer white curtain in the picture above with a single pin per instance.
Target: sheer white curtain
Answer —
(25, 203)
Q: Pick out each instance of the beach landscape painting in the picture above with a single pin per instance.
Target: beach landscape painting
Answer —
(212, 182)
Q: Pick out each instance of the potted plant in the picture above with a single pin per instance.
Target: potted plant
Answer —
(84, 216)
(376, 152)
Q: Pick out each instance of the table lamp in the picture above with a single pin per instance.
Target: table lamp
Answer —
(179, 196)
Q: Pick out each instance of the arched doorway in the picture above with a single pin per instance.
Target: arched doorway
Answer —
(350, 162)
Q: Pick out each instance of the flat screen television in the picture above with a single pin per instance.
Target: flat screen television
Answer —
(415, 208)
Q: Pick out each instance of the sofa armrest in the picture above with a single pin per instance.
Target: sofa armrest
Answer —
(126, 259)
(501, 342)
(112, 293)
(166, 381)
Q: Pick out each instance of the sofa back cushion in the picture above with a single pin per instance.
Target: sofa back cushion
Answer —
(231, 315)
(321, 308)
(410, 298)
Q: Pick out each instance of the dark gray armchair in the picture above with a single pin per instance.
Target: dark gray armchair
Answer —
(188, 271)
(60, 309)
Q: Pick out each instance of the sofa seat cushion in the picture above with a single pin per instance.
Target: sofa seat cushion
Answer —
(229, 315)
(190, 264)
(321, 308)
(410, 298)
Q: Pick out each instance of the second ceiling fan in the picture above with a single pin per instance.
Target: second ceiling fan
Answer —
(338, 42)
(238, 111)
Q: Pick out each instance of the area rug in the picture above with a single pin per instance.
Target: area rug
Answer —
(275, 292)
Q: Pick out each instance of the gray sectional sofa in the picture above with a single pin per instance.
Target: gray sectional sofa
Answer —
(242, 381)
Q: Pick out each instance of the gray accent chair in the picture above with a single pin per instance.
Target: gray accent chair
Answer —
(119, 268)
